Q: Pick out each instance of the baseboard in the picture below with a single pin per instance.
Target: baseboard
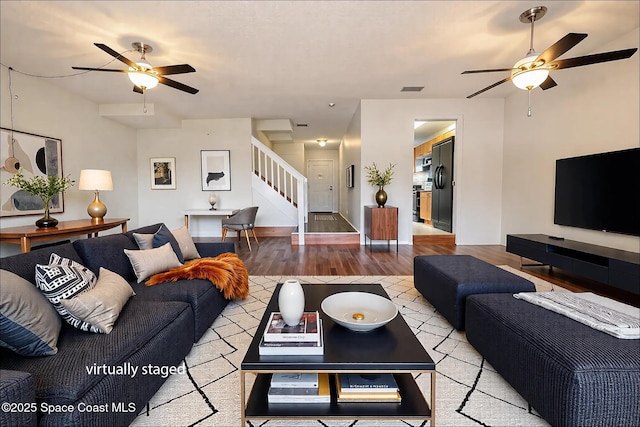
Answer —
(284, 231)
(434, 239)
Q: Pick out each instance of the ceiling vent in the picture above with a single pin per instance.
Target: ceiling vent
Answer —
(301, 125)
(412, 89)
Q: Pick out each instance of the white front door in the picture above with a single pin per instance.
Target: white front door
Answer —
(320, 180)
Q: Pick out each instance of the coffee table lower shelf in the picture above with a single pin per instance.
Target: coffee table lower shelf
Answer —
(413, 405)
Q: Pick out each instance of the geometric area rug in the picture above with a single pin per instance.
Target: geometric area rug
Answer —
(468, 390)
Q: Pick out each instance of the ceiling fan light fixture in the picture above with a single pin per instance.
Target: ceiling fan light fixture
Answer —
(525, 77)
(143, 80)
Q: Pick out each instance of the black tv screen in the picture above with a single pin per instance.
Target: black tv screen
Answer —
(599, 192)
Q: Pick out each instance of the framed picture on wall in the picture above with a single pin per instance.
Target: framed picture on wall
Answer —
(216, 170)
(163, 173)
(349, 176)
(36, 155)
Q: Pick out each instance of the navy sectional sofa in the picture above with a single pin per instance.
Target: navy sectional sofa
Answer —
(154, 332)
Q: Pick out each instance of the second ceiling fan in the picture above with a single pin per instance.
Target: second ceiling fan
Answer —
(142, 74)
(533, 70)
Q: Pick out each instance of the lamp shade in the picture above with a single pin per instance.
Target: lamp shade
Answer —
(95, 179)
(526, 78)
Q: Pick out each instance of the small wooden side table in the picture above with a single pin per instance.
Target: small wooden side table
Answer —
(26, 234)
(380, 224)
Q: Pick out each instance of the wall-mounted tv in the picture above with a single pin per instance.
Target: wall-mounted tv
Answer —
(599, 192)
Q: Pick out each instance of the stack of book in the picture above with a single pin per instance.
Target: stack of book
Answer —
(367, 388)
(305, 338)
(296, 387)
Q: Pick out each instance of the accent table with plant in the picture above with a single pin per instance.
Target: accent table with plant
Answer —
(44, 187)
(380, 179)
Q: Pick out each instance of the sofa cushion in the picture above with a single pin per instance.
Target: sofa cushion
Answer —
(101, 306)
(70, 374)
(23, 264)
(151, 261)
(17, 387)
(62, 279)
(29, 325)
(108, 252)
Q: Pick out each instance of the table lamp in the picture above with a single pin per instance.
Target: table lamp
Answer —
(96, 180)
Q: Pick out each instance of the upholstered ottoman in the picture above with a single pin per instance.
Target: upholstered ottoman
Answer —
(447, 280)
(571, 374)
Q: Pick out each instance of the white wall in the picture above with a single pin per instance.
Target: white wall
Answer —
(593, 109)
(349, 154)
(185, 145)
(292, 153)
(387, 136)
(88, 142)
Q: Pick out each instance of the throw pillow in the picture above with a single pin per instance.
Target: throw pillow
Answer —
(152, 261)
(29, 325)
(62, 279)
(144, 241)
(101, 306)
(187, 247)
(162, 236)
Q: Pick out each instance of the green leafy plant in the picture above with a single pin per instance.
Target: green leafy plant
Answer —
(44, 187)
(377, 178)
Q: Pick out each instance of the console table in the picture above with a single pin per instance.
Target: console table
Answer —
(26, 234)
(613, 267)
(206, 212)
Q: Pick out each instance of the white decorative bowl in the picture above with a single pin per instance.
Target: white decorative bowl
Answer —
(359, 311)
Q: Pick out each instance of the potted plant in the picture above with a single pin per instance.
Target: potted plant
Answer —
(380, 179)
(44, 187)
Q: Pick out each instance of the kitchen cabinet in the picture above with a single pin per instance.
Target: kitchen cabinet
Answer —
(425, 206)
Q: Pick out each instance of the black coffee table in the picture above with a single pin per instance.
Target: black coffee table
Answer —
(392, 348)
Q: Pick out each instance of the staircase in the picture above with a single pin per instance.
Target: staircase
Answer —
(284, 187)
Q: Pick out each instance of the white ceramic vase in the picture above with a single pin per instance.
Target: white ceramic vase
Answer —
(291, 302)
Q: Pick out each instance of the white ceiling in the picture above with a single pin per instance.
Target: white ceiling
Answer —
(290, 59)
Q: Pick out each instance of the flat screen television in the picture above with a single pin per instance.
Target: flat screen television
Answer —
(599, 192)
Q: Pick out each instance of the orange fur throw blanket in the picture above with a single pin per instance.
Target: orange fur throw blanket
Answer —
(226, 271)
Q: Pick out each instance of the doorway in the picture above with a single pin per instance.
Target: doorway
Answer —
(430, 222)
(320, 181)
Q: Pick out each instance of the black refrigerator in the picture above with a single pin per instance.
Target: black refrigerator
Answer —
(442, 189)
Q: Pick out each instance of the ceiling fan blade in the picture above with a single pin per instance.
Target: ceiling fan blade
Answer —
(100, 69)
(116, 55)
(489, 87)
(593, 59)
(136, 89)
(558, 48)
(177, 85)
(486, 71)
(548, 83)
(174, 69)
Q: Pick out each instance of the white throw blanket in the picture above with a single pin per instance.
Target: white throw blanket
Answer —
(604, 314)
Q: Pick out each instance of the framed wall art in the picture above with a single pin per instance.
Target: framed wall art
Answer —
(37, 155)
(163, 173)
(216, 170)
(349, 176)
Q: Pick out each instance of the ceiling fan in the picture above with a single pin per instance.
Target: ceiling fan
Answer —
(533, 70)
(142, 74)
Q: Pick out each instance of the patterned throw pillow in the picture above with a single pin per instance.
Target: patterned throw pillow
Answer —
(63, 279)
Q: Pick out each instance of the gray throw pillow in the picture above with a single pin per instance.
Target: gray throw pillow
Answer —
(29, 325)
(101, 306)
(187, 247)
(152, 261)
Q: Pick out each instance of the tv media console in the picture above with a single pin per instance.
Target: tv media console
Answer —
(613, 267)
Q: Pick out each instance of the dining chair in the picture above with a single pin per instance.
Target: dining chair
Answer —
(244, 219)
